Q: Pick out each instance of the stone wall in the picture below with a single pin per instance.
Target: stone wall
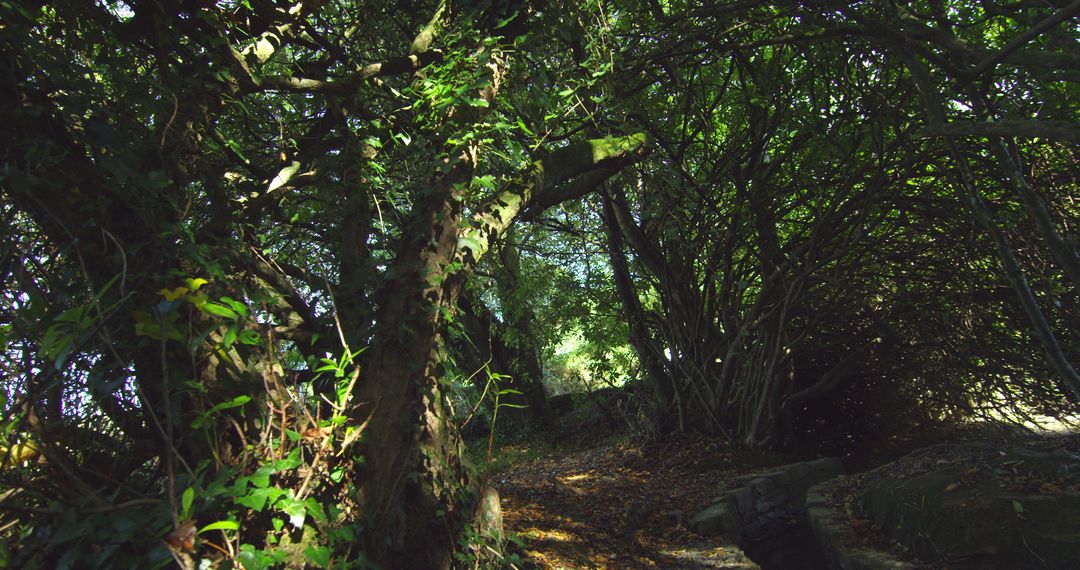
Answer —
(764, 505)
(767, 516)
(843, 550)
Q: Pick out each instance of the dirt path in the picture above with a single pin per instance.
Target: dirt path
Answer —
(622, 506)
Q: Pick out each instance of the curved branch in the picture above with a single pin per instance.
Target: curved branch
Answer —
(565, 174)
(394, 66)
(1052, 130)
(1018, 42)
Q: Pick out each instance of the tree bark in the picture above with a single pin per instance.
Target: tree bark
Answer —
(415, 489)
(648, 353)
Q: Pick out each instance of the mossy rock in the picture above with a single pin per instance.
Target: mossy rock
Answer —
(987, 509)
(561, 404)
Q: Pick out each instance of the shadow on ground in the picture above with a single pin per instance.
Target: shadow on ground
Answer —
(619, 505)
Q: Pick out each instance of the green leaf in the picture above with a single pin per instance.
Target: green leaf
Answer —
(219, 310)
(257, 499)
(283, 176)
(185, 502)
(291, 461)
(472, 243)
(249, 337)
(261, 478)
(200, 421)
(72, 315)
(247, 557)
(220, 525)
(108, 285)
(296, 511)
(319, 555)
(487, 182)
(1018, 508)
(235, 146)
(524, 129)
(235, 305)
(315, 509)
(195, 284)
(230, 337)
(234, 403)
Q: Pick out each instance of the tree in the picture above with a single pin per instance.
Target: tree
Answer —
(236, 235)
(781, 225)
(241, 192)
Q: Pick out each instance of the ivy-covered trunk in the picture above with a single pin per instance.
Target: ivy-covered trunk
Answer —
(414, 487)
(417, 493)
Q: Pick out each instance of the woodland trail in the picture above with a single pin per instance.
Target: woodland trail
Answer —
(618, 505)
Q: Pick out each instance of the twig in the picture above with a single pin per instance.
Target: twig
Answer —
(355, 435)
(123, 260)
(482, 394)
(1019, 41)
(170, 461)
(168, 125)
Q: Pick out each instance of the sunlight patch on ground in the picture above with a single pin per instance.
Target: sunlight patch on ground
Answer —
(711, 557)
(553, 535)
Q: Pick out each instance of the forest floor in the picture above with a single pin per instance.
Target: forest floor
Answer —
(620, 505)
(609, 503)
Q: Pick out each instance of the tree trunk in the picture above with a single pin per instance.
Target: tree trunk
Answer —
(414, 486)
(415, 489)
(520, 364)
(524, 356)
(647, 352)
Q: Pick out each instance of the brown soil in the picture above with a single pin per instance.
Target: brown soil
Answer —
(626, 506)
(623, 505)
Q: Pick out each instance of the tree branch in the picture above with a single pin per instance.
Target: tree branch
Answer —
(567, 173)
(1018, 42)
(394, 66)
(1053, 130)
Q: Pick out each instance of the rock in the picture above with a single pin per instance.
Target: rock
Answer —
(991, 508)
(801, 470)
(837, 539)
(676, 518)
(712, 520)
(561, 404)
(636, 516)
(767, 516)
(489, 519)
(824, 465)
(956, 505)
(819, 470)
(743, 499)
(766, 504)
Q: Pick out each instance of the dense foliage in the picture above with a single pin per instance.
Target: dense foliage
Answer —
(261, 260)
